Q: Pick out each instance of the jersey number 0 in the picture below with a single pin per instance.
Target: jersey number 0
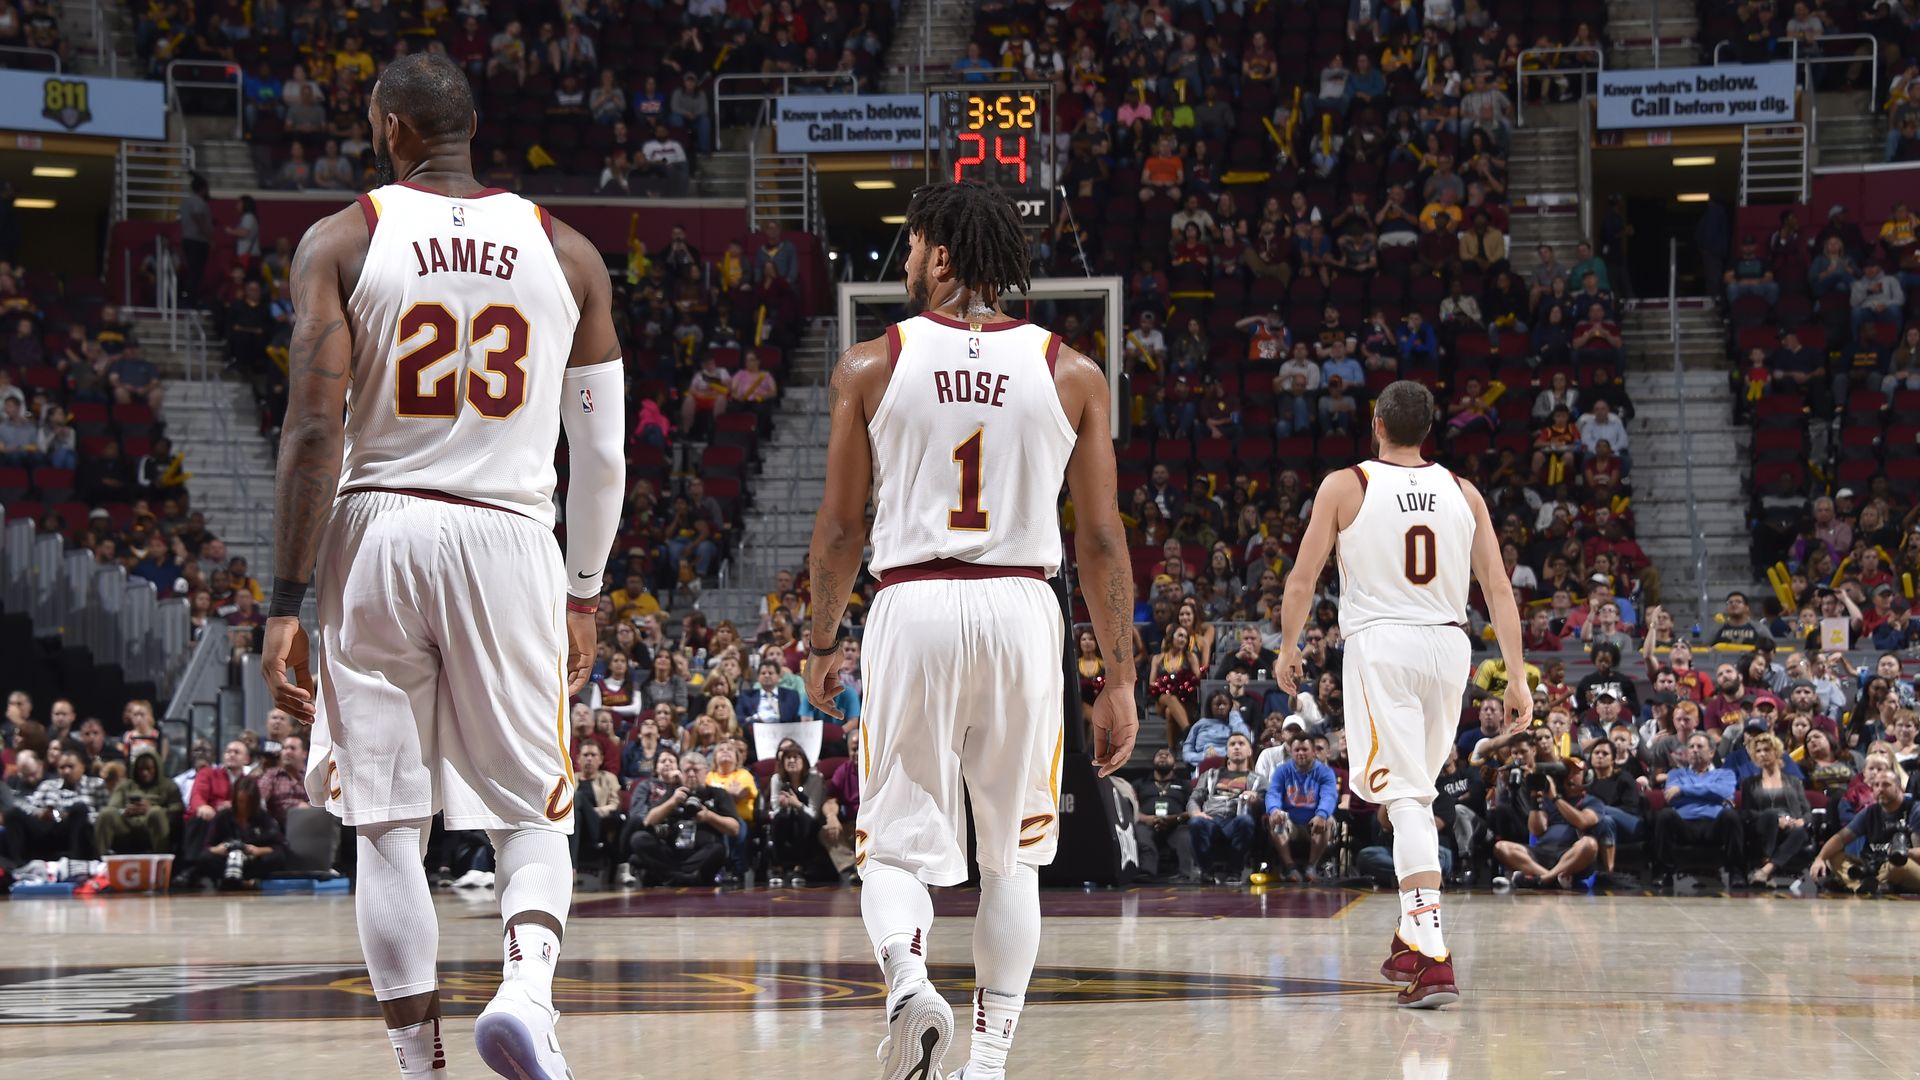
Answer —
(1420, 555)
(441, 399)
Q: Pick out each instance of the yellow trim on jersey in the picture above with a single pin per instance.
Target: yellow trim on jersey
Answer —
(1373, 749)
(866, 750)
(560, 723)
(1053, 775)
(378, 210)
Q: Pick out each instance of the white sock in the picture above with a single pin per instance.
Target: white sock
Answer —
(418, 1048)
(898, 912)
(533, 873)
(1006, 941)
(399, 934)
(531, 951)
(1420, 922)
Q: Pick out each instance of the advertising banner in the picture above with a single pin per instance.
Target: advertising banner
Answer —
(839, 123)
(82, 105)
(1690, 97)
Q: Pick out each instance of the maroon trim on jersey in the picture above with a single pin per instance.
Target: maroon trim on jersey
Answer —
(955, 570)
(984, 327)
(1362, 474)
(1397, 465)
(1053, 351)
(433, 496)
(481, 194)
(893, 346)
(546, 222)
(367, 208)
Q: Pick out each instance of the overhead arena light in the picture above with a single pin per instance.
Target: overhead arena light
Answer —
(1694, 162)
(1693, 196)
(56, 172)
(34, 204)
(894, 219)
(874, 185)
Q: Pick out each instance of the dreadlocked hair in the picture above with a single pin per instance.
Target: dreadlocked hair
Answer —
(980, 229)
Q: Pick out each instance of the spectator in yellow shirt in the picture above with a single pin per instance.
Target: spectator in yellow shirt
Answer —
(352, 56)
(735, 781)
(633, 600)
(1490, 679)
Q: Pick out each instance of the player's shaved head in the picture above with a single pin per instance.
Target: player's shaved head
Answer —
(430, 93)
(1405, 411)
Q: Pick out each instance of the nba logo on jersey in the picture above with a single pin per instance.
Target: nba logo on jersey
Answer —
(460, 216)
(586, 400)
(973, 348)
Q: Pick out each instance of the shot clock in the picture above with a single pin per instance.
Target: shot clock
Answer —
(998, 133)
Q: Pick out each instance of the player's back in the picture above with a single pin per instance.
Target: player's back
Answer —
(970, 446)
(1407, 557)
(462, 324)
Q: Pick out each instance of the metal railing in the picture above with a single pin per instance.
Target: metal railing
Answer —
(22, 50)
(761, 89)
(1583, 155)
(1871, 58)
(100, 25)
(1697, 541)
(1774, 161)
(210, 76)
(1521, 73)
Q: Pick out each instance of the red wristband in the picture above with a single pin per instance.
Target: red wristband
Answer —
(584, 607)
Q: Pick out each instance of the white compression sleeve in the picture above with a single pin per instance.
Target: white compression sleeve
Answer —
(399, 933)
(593, 412)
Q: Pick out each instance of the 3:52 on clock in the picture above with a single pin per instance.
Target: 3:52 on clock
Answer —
(1004, 114)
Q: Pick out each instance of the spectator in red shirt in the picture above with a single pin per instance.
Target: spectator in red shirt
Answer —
(213, 788)
(1729, 696)
(1539, 635)
(1597, 339)
(283, 785)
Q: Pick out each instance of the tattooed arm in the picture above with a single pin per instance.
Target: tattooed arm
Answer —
(319, 360)
(1100, 545)
(840, 528)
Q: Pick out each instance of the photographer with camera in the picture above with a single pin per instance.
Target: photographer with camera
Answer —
(1886, 826)
(683, 838)
(1564, 821)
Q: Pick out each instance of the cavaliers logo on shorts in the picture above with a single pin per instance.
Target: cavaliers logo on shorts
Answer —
(1377, 781)
(556, 812)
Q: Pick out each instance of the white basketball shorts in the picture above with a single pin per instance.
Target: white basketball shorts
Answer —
(442, 666)
(964, 682)
(1403, 689)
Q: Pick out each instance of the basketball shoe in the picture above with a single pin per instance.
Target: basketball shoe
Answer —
(1431, 986)
(919, 1031)
(516, 1037)
(1402, 962)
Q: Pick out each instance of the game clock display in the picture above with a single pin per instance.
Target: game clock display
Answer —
(997, 133)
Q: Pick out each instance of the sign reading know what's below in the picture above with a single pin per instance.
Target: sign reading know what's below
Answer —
(829, 123)
(1690, 97)
(82, 105)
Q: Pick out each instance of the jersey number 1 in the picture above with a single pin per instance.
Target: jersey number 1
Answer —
(1420, 555)
(441, 399)
(968, 516)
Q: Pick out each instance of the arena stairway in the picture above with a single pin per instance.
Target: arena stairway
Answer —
(1545, 188)
(211, 418)
(1719, 447)
(1634, 25)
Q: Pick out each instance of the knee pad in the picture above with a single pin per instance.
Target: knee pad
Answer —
(1416, 841)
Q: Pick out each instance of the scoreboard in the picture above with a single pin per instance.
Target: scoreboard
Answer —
(997, 133)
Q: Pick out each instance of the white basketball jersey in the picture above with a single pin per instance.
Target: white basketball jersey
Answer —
(970, 446)
(462, 325)
(1407, 557)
